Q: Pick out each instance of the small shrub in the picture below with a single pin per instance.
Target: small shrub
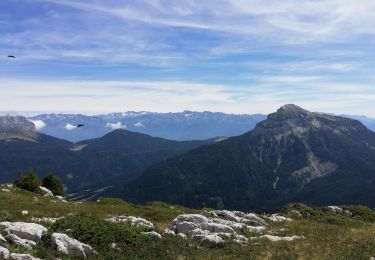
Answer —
(29, 182)
(54, 184)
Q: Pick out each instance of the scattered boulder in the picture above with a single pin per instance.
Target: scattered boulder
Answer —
(5, 190)
(115, 246)
(167, 231)
(46, 220)
(253, 219)
(153, 234)
(240, 239)
(134, 221)
(15, 256)
(44, 191)
(70, 246)
(257, 229)
(28, 231)
(25, 212)
(182, 235)
(25, 243)
(279, 218)
(4, 253)
(340, 211)
(212, 238)
(277, 238)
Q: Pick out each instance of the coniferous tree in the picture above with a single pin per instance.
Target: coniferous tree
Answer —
(29, 182)
(54, 184)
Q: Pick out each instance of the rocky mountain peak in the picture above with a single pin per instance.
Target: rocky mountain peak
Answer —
(12, 126)
(290, 111)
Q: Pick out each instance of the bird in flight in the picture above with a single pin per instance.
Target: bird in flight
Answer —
(78, 126)
(11, 56)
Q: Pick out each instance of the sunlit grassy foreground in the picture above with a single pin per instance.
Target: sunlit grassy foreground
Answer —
(328, 236)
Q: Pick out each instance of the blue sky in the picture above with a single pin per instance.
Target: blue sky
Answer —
(235, 56)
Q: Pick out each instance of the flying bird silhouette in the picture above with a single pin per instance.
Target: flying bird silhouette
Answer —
(78, 126)
(11, 56)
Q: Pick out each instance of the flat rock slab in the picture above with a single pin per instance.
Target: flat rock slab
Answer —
(70, 246)
(28, 231)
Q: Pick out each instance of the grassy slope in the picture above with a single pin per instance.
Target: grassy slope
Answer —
(327, 236)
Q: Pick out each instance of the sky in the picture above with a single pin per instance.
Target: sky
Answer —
(233, 56)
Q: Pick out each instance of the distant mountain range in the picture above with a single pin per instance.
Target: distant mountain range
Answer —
(116, 157)
(292, 156)
(182, 126)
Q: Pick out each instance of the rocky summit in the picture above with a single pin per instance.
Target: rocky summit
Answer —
(16, 127)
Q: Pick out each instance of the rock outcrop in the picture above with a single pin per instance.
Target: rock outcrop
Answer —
(216, 226)
(134, 221)
(70, 246)
(340, 211)
(44, 191)
(27, 231)
(153, 234)
(277, 238)
(25, 243)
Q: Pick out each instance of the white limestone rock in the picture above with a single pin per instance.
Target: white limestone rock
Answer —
(279, 218)
(182, 235)
(227, 215)
(257, 229)
(115, 246)
(3, 241)
(167, 231)
(46, 220)
(277, 238)
(4, 253)
(193, 218)
(44, 191)
(25, 243)
(28, 231)
(240, 239)
(211, 238)
(218, 228)
(340, 211)
(253, 219)
(15, 256)
(152, 234)
(6, 190)
(134, 221)
(70, 246)
(24, 212)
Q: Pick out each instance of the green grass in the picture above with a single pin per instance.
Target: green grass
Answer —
(328, 236)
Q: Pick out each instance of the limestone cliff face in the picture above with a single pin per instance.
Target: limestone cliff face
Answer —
(16, 127)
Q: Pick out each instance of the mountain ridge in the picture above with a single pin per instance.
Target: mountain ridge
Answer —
(285, 156)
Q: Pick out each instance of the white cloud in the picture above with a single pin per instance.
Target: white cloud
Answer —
(115, 126)
(70, 127)
(39, 124)
(139, 124)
